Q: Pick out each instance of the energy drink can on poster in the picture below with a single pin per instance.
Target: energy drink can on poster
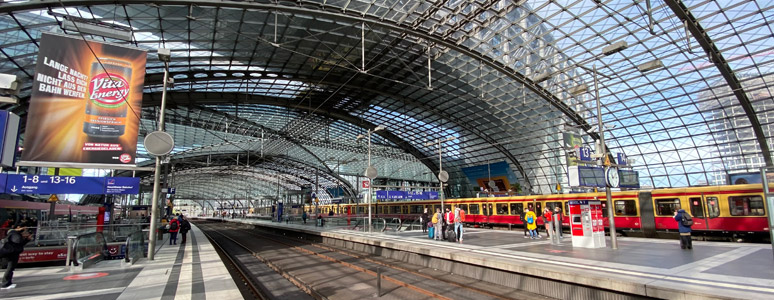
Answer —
(107, 103)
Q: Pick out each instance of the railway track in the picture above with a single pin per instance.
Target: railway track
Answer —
(324, 272)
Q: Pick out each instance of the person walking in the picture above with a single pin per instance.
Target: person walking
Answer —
(684, 223)
(459, 218)
(423, 219)
(438, 224)
(558, 221)
(531, 224)
(185, 226)
(14, 245)
(174, 227)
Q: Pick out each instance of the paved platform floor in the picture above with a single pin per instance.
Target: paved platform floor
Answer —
(177, 272)
(735, 270)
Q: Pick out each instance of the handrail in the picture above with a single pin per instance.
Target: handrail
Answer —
(95, 254)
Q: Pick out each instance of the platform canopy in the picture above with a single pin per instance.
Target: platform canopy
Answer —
(683, 85)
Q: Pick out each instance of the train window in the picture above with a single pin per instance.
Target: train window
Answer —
(416, 209)
(404, 209)
(746, 205)
(436, 208)
(491, 211)
(394, 209)
(360, 209)
(486, 211)
(539, 209)
(502, 209)
(464, 207)
(531, 206)
(551, 205)
(604, 209)
(667, 207)
(712, 207)
(567, 208)
(474, 209)
(625, 208)
(517, 208)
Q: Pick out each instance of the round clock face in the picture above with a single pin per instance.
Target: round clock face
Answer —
(612, 177)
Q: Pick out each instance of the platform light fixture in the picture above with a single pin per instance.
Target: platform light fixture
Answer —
(649, 66)
(615, 48)
(578, 89)
(97, 28)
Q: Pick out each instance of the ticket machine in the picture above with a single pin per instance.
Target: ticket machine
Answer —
(586, 224)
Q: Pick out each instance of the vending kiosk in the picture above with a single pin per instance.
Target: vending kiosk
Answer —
(586, 224)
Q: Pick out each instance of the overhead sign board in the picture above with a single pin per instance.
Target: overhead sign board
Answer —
(45, 184)
(122, 185)
(586, 176)
(85, 103)
(48, 184)
(629, 179)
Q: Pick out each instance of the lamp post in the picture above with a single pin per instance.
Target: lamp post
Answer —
(164, 56)
(608, 195)
(443, 176)
(370, 171)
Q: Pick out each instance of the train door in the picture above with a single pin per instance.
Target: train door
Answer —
(703, 209)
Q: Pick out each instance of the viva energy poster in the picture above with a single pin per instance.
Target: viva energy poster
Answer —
(85, 104)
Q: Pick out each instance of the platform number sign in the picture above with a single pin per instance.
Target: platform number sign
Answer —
(622, 159)
(585, 153)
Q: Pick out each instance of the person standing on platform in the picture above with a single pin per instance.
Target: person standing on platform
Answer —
(548, 222)
(423, 219)
(531, 223)
(523, 218)
(438, 224)
(558, 221)
(14, 245)
(174, 227)
(304, 216)
(185, 226)
(459, 218)
(684, 223)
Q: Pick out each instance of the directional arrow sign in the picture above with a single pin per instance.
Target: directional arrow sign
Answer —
(48, 184)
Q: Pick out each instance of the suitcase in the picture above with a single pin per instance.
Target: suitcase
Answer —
(451, 235)
(430, 232)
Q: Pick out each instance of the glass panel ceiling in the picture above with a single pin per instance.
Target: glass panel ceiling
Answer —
(505, 78)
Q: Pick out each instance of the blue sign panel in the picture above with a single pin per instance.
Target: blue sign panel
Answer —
(122, 185)
(396, 195)
(381, 195)
(585, 153)
(621, 159)
(3, 179)
(416, 195)
(432, 195)
(52, 184)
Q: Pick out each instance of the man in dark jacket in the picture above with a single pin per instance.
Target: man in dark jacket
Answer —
(423, 220)
(685, 231)
(184, 227)
(17, 238)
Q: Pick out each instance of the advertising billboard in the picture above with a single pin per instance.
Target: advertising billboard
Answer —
(85, 104)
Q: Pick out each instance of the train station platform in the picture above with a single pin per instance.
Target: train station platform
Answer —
(640, 267)
(190, 271)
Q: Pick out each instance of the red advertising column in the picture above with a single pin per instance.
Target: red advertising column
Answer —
(100, 218)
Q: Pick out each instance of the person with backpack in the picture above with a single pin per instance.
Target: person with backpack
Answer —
(548, 222)
(531, 223)
(10, 249)
(174, 227)
(459, 218)
(185, 226)
(684, 223)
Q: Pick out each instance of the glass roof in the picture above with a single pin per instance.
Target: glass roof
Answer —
(300, 80)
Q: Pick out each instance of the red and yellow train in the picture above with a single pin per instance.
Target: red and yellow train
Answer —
(733, 211)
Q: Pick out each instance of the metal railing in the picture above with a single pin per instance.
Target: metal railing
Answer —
(89, 249)
(411, 224)
(136, 246)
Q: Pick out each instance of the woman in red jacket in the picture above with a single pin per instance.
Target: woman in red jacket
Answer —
(174, 227)
(548, 222)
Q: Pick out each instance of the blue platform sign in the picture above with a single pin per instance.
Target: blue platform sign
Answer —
(432, 195)
(622, 159)
(396, 195)
(122, 185)
(416, 195)
(585, 153)
(53, 184)
(381, 195)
